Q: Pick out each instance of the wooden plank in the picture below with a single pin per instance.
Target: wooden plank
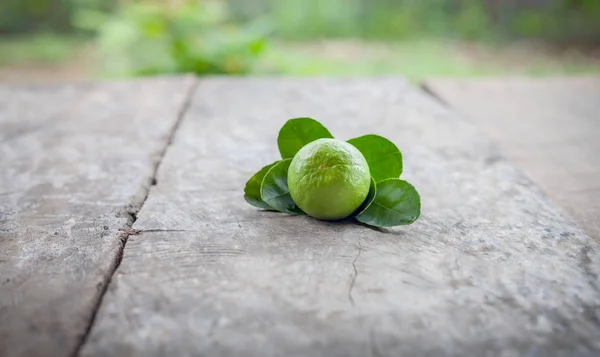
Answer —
(25, 109)
(75, 166)
(548, 127)
(491, 269)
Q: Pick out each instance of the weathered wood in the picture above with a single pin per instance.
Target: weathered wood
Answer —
(28, 109)
(491, 269)
(549, 127)
(75, 165)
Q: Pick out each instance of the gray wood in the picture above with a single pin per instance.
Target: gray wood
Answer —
(76, 163)
(549, 127)
(33, 108)
(492, 268)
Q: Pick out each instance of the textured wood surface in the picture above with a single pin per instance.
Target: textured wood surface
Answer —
(492, 268)
(76, 163)
(549, 127)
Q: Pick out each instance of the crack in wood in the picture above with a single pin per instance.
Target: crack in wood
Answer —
(164, 230)
(130, 231)
(132, 212)
(426, 88)
(353, 281)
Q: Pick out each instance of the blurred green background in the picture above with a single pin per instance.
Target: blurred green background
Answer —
(83, 39)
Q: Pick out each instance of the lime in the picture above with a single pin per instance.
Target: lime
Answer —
(329, 179)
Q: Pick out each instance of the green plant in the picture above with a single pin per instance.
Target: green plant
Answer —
(38, 49)
(190, 37)
(389, 202)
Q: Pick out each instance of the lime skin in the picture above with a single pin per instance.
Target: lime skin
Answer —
(329, 179)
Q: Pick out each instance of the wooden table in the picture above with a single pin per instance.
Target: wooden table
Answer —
(123, 230)
(550, 128)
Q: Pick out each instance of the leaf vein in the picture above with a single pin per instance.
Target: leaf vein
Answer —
(381, 158)
(300, 135)
(387, 208)
(276, 196)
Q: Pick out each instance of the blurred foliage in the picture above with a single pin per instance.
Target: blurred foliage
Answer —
(35, 16)
(389, 19)
(39, 48)
(146, 37)
(187, 36)
(551, 20)
(419, 59)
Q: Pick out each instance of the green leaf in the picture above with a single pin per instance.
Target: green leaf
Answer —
(298, 132)
(252, 189)
(257, 46)
(383, 157)
(396, 203)
(274, 189)
(368, 200)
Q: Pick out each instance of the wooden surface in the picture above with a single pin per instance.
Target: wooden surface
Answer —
(76, 163)
(492, 268)
(549, 127)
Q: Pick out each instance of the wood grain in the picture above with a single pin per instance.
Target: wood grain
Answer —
(492, 268)
(76, 164)
(550, 128)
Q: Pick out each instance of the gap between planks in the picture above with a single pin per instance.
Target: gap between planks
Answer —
(127, 231)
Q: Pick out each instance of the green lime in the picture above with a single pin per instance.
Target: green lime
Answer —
(329, 179)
